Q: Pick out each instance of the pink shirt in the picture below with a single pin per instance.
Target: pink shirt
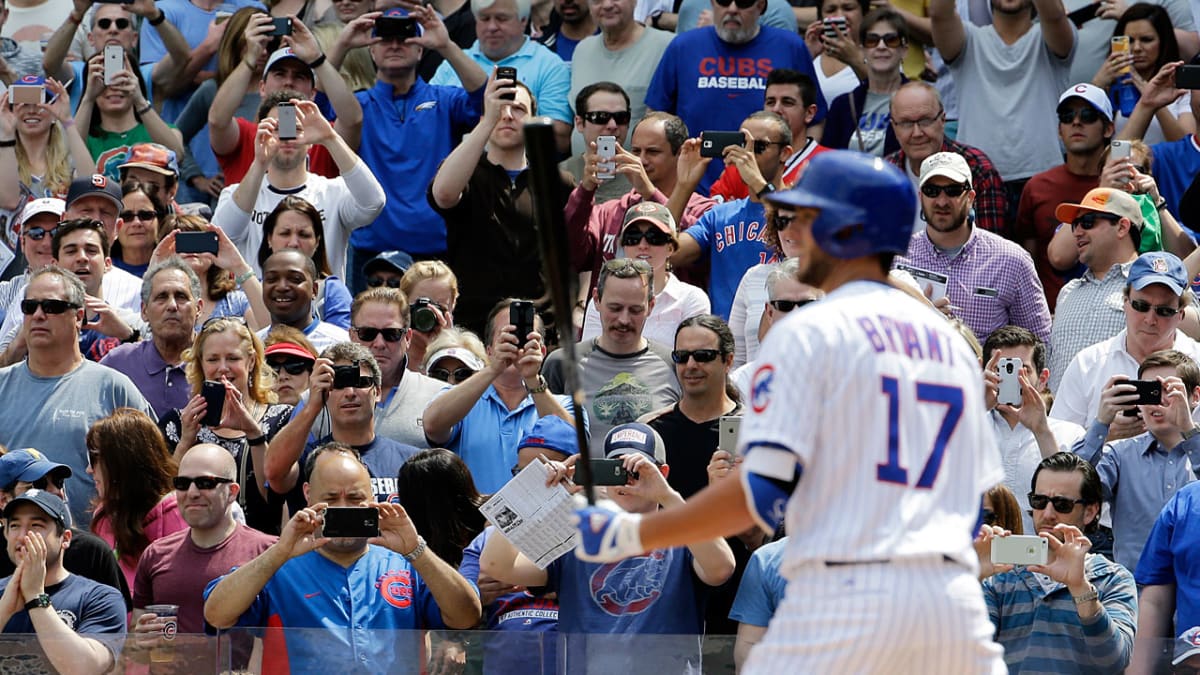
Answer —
(162, 520)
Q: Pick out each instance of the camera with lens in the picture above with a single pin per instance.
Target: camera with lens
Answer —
(422, 316)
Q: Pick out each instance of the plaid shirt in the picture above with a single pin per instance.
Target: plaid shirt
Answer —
(991, 200)
(1089, 310)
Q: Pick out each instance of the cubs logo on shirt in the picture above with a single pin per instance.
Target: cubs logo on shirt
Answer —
(760, 387)
(396, 588)
(630, 586)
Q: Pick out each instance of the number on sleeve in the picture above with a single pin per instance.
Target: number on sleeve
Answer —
(940, 394)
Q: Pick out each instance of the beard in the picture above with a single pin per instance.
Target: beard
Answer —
(737, 36)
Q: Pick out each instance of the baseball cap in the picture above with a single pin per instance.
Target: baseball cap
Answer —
(95, 185)
(1094, 95)
(553, 434)
(1102, 200)
(468, 357)
(397, 260)
(634, 437)
(43, 205)
(153, 157)
(948, 165)
(28, 464)
(286, 53)
(1186, 645)
(51, 504)
(650, 212)
(1158, 267)
(289, 349)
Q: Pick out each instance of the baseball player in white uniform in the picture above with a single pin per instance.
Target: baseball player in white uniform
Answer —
(866, 424)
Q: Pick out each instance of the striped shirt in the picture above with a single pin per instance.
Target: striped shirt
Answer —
(1041, 631)
(1089, 310)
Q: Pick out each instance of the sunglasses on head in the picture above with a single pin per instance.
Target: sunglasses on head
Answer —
(1061, 504)
(891, 40)
(49, 306)
(742, 4)
(953, 190)
(39, 233)
(368, 334)
(105, 24)
(760, 146)
(182, 483)
(1087, 114)
(390, 282)
(1089, 220)
(364, 382)
(789, 305)
(453, 376)
(681, 356)
(653, 236)
(1141, 307)
(291, 366)
(604, 117)
(143, 215)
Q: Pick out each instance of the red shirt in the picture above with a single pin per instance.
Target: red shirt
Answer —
(1036, 221)
(235, 164)
(730, 186)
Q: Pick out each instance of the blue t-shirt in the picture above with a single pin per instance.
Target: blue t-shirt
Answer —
(537, 68)
(761, 590)
(529, 622)
(379, 592)
(1176, 164)
(714, 86)
(86, 607)
(335, 305)
(383, 458)
(1172, 554)
(731, 238)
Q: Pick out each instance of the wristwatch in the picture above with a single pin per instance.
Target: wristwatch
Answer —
(542, 385)
(416, 552)
(654, 18)
(40, 602)
(1086, 597)
(767, 189)
(1188, 434)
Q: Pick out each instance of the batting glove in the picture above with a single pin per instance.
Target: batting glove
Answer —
(607, 533)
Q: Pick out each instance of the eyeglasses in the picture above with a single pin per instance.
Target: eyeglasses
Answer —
(291, 366)
(681, 356)
(782, 222)
(789, 305)
(144, 215)
(49, 306)
(760, 146)
(953, 190)
(364, 382)
(1061, 504)
(653, 236)
(892, 40)
(368, 334)
(105, 24)
(1089, 220)
(182, 483)
(452, 376)
(742, 4)
(39, 233)
(1141, 307)
(989, 517)
(1087, 114)
(925, 122)
(604, 117)
(377, 281)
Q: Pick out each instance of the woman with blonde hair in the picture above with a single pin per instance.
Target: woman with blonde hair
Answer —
(49, 150)
(432, 292)
(454, 356)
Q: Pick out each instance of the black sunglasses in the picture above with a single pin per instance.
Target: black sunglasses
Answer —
(1061, 504)
(106, 23)
(892, 40)
(653, 236)
(1087, 114)
(144, 215)
(49, 306)
(989, 517)
(782, 222)
(681, 356)
(1141, 307)
(953, 190)
(458, 374)
(1089, 220)
(39, 233)
(182, 483)
(376, 282)
(761, 145)
(368, 334)
(48, 480)
(604, 116)
(742, 4)
(364, 382)
(291, 366)
(789, 305)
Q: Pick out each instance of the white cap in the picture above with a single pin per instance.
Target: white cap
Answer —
(468, 357)
(947, 164)
(43, 205)
(1094, 95)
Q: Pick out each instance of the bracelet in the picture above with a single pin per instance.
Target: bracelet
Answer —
(145, 109)
(243, 277)
(1160, 204)
(1087, 597)
(12, 143)
(157, 21)
(258, 440)
(317, 62)
(542, 386)
(416, 552)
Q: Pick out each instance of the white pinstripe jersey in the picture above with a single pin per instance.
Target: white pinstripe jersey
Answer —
(881, 401)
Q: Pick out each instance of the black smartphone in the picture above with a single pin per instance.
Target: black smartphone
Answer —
(520, 314)
(607, 472)
(1084, 14)
(345, 376)
(196, 242)
(280, 26)
(507, 73)
(396, 27)
(285, 115)
(1187, 77)
(352, 522)
(713, 143)
(1149, 393)
(214, 399)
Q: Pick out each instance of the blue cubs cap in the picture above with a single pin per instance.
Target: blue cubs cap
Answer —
(553, 434)
(397, 260)
(28, 465)
(635, 437)
(51, 504)
(1158, 267)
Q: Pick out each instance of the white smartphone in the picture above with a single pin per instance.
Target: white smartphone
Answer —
(606, 150)
(1020, 549)
(727, 433)
(1010, 386)
(1120, 150)
(114, 62)
(286, 116)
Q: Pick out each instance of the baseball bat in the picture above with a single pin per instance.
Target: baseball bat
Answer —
(545, 188)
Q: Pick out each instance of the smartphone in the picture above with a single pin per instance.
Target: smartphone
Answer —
(607, 472)
(1084, 14)
(727, 433)
(351, 522)
(196, 242)
(396, 27)
(282, 26)
(520, 314)
(1020, 549)
(1120, 45)
(606, 150)
(1149, 393)
(1187, 77)
(1010, 386)
(1119, 149)
(346, 376)
(286, 116)
(713, 143)
(834, 26)
(27, 93)
(507, 73)
(214, 399)
(114, 62)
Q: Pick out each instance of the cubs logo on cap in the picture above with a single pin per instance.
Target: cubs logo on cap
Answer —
(1158, 265)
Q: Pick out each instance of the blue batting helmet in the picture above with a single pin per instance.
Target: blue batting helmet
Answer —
(867, 205)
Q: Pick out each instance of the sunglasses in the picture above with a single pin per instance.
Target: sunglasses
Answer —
(376, 282)
(48, 480)
(891, 40)
(789, 305)
(105, 24)
(452, 376)
(1086, 114)
(989, 517)
(291, 367)
(742, 4)
(604, 117)
(761, 146)
(368, 334)
(49, 306)
(144, 215)
(953, 190)
(39, 233)
(182, 483)
(681, 356)
(1061, 504)
(364, 382)
(782, 222)
(1141, 307)
(653, 236)
(1089, 220)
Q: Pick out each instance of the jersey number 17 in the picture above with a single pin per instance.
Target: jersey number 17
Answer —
(939, 394)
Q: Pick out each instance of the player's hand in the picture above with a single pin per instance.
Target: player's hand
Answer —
(1066, 555)
(991, 382)
(491, 588)
(299, 535)
(983, 549)
(606, 533)
(1115, 398)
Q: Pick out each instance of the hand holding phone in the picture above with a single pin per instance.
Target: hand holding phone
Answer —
(114, 62)
(520, 314)
(1149, 393)
(606, 150)
(1009, 392)
(196, 242)
(507, 73)
(1020, 549)
(286, 117)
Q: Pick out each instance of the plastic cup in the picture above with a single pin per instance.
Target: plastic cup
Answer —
(164, 651)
